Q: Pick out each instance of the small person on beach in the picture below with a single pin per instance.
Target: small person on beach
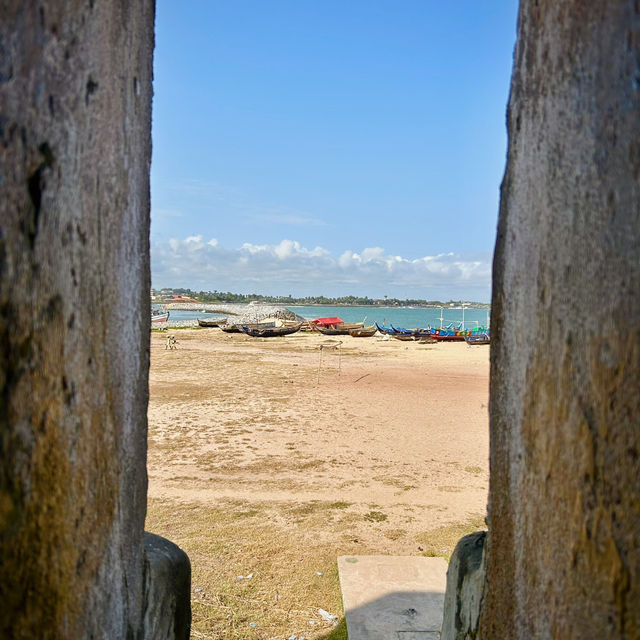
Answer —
(171, 343)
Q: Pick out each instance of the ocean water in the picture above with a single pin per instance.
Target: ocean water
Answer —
(406, 317)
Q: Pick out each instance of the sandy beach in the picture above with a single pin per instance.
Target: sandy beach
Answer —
(330, 446)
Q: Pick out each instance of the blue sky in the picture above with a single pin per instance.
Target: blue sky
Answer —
(306, 147)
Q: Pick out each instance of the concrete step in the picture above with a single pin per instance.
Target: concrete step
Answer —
(393, 597)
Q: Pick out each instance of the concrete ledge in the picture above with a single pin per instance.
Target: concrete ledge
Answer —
(392, 597)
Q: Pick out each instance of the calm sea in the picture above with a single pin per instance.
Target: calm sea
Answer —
(397, 316)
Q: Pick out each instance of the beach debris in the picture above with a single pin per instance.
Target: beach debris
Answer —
(312, 622)
(319, 573)
(328, 617)
(240, 577)
(197, 590)
(294, 637)
(253, 624)
(249, 576)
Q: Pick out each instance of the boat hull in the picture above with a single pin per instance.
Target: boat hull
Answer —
(270, 332)
(364, 332)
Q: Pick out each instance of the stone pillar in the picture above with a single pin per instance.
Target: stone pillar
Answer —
(75, 106)
(563, 557)
(465, 587)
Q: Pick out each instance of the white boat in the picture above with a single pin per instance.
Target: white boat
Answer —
(158, 315)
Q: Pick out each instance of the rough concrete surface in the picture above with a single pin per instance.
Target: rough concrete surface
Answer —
(392, 597)
(564, 508)
(75, 104)
(465, 586)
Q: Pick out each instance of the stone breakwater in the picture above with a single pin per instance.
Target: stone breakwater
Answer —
(175, 324)
(223, 309)
(236, 313)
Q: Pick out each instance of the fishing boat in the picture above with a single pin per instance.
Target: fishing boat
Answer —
(448, 336)
(335, 326)
(327, 322)
(402, 331)
(262, 331)
(477, 338)
(230, 328)
(384, 330)
(339, 329)
(405, 337)
(159, 315)
(363, 332)
(212, 323)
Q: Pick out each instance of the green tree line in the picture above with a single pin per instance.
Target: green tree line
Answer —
(229, 297)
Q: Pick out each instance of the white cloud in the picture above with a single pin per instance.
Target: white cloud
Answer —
(288, 267)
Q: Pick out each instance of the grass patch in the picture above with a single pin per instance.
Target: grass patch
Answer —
(285, 591)
(441, 542)
(394, 534)
(397, 482)
(475, 470)
(375, 516)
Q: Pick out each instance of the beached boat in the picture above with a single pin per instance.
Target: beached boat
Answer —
(385, 330)
(478, 338)
(212, 323)
(262, 331)
(159, 315)
(339, 329)
(448, 336)
(363, 332)
(406, 337)
(230, 328)
(335, 326)
(402, 331)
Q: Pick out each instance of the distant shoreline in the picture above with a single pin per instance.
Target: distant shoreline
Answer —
(197, 306)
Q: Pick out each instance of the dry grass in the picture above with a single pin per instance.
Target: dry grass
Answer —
(283, 548)
(285, 591)
(257, 468)
(441, 542)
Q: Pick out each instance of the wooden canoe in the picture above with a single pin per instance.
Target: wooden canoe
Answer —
(478, 338)
(339, 329)
(212, 323)
(257, 331)
(363, 332)
(405, 337)
(230, 328)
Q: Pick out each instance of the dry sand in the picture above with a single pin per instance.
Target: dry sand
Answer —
(394, 433)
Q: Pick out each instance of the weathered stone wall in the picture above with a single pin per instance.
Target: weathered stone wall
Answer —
(75, 103)
(564, 510)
